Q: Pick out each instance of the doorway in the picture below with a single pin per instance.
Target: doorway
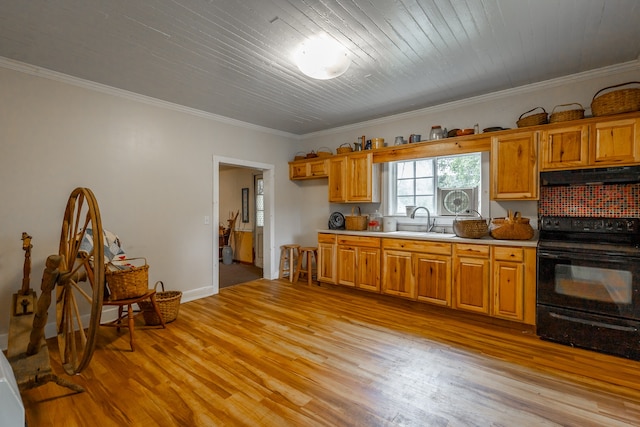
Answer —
(264, 247)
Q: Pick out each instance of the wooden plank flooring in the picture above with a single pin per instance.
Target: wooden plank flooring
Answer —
(268, 353)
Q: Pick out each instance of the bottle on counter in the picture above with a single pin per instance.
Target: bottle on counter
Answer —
(375, 221)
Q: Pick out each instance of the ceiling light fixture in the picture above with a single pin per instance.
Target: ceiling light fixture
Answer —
(321, 58)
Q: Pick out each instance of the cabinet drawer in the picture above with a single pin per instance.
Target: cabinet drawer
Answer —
(506, 253)
(370, 242)
(472, 250)
(439, 248)
(326, 238)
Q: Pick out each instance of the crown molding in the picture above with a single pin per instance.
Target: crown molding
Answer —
(109, 90)
(547, 84)
(520, 90)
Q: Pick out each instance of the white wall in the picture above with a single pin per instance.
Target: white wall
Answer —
(149, 165)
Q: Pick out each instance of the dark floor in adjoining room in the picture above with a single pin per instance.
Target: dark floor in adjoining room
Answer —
(235, 273)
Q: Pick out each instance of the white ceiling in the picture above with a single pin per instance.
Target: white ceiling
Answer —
(232, 57)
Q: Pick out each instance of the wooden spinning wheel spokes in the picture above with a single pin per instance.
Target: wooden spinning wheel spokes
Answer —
(81, 281)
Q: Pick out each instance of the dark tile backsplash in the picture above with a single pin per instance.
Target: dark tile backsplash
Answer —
(611, 200)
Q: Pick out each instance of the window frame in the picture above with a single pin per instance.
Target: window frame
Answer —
(390, 171)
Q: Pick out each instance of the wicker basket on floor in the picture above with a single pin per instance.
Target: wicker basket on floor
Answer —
(129, 282)
(168, 303)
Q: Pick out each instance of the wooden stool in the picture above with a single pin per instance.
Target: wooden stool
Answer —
(129, 315)
(310, 253)
(288, 256)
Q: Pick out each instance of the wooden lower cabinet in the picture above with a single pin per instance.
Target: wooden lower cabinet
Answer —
(358, 262)
(397, 275)
(513, 284)
(498, 281)
(433, 278)
(326, 262)
(471, 277)
(417, 270)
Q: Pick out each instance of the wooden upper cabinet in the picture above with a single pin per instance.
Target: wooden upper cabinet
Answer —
(600, 143)
(615, 142)
(354, 178)
(514, 166)
(308, 169)
(565, 148)
(337, 179)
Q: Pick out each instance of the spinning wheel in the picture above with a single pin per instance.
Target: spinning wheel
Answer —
(81, 280)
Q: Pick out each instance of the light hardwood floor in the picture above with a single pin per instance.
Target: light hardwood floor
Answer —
(268, 353)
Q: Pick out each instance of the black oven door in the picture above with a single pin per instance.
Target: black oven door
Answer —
(588, 281)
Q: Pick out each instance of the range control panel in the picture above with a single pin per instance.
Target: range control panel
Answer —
(590, 225)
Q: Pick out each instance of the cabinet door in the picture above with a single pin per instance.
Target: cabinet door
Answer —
(615, 142)
(338, 179)
(433, 278)
(359, 181)
(326, 262)
(508, 290)
(347, 265)
(397, 277)
(298, 170)
(317, 169)
(565, 148)
(368, 275)
(471, 283)
(514, 166)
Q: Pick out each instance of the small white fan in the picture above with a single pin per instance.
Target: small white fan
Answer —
(456, 202)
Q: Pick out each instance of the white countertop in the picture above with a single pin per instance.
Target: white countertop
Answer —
(443, 237)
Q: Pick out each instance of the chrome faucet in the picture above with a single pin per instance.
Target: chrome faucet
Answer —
(429, 224)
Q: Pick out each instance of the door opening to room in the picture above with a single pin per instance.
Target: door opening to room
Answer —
(241, 215)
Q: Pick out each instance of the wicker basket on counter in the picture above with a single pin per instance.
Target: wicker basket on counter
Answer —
(567, 115)
(512, 227)
(533, 119)
(617, 101)
(355, 222)
(471, 228)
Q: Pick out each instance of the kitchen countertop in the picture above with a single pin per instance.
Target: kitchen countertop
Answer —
(440, 237)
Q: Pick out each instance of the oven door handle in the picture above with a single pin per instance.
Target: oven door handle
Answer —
(548, 255)
(612, 258)
(594, 323)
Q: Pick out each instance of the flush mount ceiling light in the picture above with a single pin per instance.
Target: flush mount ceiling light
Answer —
(321, 58)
